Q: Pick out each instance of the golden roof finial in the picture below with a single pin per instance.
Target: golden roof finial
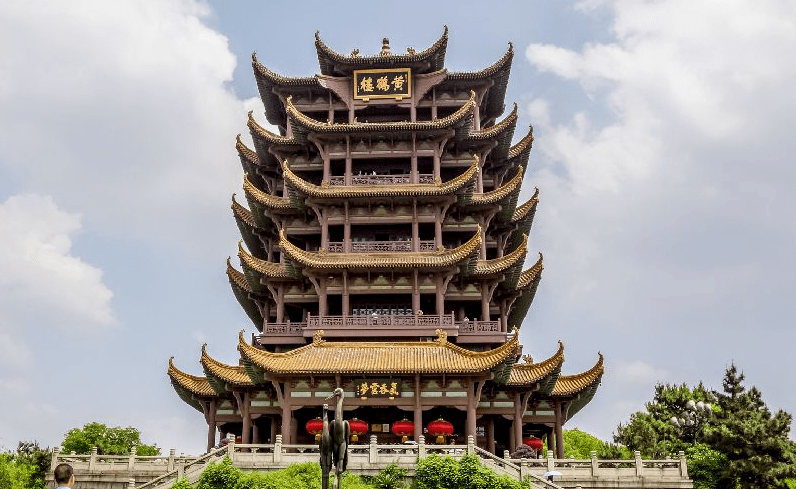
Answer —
(527, 358)
(385, 47)
(317, 336)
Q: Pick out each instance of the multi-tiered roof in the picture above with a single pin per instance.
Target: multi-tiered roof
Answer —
(383, 212)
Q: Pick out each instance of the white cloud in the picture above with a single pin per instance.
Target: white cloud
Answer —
(667, 203)
(121, 110)
(41, 278)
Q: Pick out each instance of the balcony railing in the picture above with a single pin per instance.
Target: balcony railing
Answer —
(388, 325)
(381, 179)
(379, 246)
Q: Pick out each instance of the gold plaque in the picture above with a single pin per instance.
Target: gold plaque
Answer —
(383, 83)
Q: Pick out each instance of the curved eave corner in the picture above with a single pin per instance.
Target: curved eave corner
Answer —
(190, 388)
(242, 290)
(503, 265)
(333, 63)
(222, 373)
(527, 283)
(544, 373)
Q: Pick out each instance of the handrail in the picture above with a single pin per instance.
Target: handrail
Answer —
(222, 450)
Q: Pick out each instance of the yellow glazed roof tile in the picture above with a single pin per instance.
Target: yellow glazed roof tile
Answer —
(245, 152)
(501, 192)
(242, 213)
(489, 267)
(410, 190)
(313, 125)
(267, 200)
(532, 274)
(521, 211)
(521, 145)
(228, 373)
(568, 385)
(435, 259)
(238, 278)
(496, 129)
(259, 131)
(528, 373)
(378, 357)
(197, 385)
(501, 64)
(270, 270)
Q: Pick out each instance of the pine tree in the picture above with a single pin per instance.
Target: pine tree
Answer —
(755, 442)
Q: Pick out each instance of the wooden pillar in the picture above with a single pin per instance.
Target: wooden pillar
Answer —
(346, 297)
(272, 437)
(418, 415)
(323, 305)
(348, 169)
(415, 228)
(244, 403)
(347, 231)
(437, 156)
(327, 172)
(551, 440)
(559, 431)
(517, 434)
(210, 417)
(489, 431)
(440, 295)
(255, 433)
(286, 422)
(415, 293)
(512, 441)
(413, 172)
(437, 229)
(484, 302)
(324, 231)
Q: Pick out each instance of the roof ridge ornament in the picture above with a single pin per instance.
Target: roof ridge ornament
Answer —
(385, 47)
(442, 336)
(317, 337)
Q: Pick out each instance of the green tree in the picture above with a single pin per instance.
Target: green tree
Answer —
(109, 441)
(14, 474)
(754, 441)
(39, 459)
(579, 444)
(653, 433)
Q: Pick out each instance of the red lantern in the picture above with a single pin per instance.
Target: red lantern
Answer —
(533, 442)
(315, 427)
(357, 427)
(404, 429)
(440, 428)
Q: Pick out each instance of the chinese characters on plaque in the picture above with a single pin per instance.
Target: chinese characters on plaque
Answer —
(384, 83)
(377, 388)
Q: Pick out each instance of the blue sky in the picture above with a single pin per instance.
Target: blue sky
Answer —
(663, 154)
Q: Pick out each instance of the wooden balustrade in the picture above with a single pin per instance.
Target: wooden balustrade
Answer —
(379, 246)
(381, 179)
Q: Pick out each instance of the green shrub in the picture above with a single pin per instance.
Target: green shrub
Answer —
(391, 477)
(437, 472)
(295, 476)
(221, 475)
(181, 484)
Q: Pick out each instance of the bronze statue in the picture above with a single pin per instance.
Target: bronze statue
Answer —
(326, 449)
(334, 441)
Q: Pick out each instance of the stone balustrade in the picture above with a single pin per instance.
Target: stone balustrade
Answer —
(128, 472)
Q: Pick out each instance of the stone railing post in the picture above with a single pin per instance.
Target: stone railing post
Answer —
(506, 455)
(171, 460)
(421, 448)
(278, 449)
(181, 467)
(639, 463)
(131, 483)
(551, 465)
(594, 465)
(524, 468)
(683, 465)
(373, 453)
(56, 452)
(92, 460)
(131, 460)
(470, 444)
(231, 447)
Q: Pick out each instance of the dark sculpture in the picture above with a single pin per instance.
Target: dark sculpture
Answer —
(334, 441)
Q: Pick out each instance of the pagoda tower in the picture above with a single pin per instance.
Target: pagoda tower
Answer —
(382, 252)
